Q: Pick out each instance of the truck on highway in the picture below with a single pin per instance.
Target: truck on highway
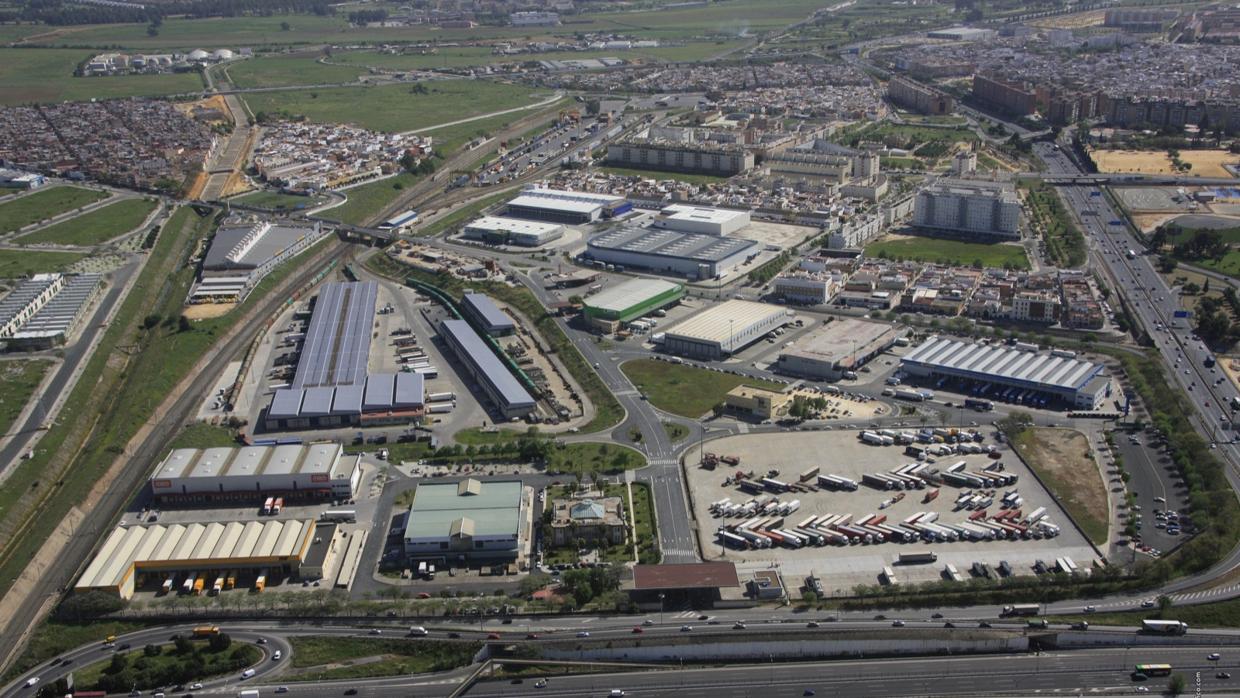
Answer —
(1164, 627)
(251, 693)
(1021, 609)
(206, 630)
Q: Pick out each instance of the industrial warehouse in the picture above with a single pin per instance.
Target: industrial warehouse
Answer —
(724, 329)
(560, 206)
(482, 364)
(1017, 373)
(147, 556)
(44, 310)
(485, 314)
(689, 241)
(630, 300)
(241, 255)
(295, 471)
(467, 520)
(496, 230)
(331, 387)
(837, 347)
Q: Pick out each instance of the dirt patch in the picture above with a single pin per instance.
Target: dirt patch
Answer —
(1147, 222)
(1073, 21)
(206, 311)
(1206, 163)
(1063, 460)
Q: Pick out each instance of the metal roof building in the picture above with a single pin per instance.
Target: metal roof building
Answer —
(52, 323)
(692, 255)
(470, 518)
(241, 255)
(724, 329)
(511, 231)
(486, 315)
(337, 344)
(254, 472)
(198, 550)
(562, 206)
(1007, 369)
(485, 367)
(842, 345)
(632, 299)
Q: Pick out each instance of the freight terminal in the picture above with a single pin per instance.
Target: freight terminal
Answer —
(630, 300)
(837, 347)
(1016, 373)
(296, 471)
(722, 330)
(482, 364)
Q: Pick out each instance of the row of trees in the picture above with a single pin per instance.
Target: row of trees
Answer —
(62, 12)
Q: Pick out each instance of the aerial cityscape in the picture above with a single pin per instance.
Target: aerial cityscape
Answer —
(596, 348)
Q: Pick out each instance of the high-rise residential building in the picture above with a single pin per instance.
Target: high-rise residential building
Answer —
(971, 207)
(920, 98)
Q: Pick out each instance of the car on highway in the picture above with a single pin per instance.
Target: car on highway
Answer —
(647, 622)
(493, 636)
(1213, 656)
(195, 686)
(583, 633)
(1222, 675)
(897, 623)
(531, 636)
(686, 628)
(247, 674)
(281, 689)
(541, 683)
(277, 656)
(637, 630)
(738, 625)
(32, 681)
(1147, 604)
(812, 624)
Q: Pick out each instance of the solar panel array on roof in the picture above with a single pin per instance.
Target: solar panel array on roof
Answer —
(61, 312)
(337, 345)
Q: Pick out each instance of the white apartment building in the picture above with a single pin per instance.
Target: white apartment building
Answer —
(971, 207)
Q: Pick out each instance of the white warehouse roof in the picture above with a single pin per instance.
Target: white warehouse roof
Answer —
(721, 322)
(623, 296)
(1003, 362)
(512, 225)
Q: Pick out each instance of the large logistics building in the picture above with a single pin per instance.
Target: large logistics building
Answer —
(498, 230)
(724, 329)
(241, 255)
(562, 206)
(316, 471)
(1017, 373)
(484, 366)
(843, 345)
(147, 555)
(630, 300)
(485, 314)
(470, 519)
(692, 255)
(331, 386)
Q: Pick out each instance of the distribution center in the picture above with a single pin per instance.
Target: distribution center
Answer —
(316, 471)
(842, 345)
(496, 230)
(630, 300)
(724, 329)
(485, 367)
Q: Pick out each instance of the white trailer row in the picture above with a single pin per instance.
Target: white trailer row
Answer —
(726, 508)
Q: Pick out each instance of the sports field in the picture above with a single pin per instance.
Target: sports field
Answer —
(395, 108)
(1206, 163)
(949, 252)
(95, 227)
(44, 204)
(46, 75)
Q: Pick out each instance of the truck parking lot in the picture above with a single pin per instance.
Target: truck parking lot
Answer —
(788, 457)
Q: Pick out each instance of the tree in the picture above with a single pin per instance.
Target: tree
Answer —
(1176, 686)
(150, 651)
(285, 26)
(92, 604)
(219, 642)
(1164, 605)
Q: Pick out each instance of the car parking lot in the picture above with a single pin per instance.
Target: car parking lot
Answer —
(842, 453)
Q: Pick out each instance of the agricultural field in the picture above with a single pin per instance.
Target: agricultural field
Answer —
(949, 252)
(46, 75)
(43, 204)
(1206, 163)
(95, 227)
(393, 108)
(283, 71)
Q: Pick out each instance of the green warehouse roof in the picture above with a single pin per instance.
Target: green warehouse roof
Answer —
(632, 298)
(471, 507)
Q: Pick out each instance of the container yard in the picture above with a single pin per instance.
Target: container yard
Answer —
(924, 503)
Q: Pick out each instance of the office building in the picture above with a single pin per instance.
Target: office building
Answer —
(453, 522)
(806, 287)
(595, 520)
(973, 208)
(723, 329)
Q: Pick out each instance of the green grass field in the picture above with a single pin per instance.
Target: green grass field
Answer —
(205, 664)
(95, 227)
(367, 200)
(593, 458)
(277, 200)
(43, 204)
(18, 380)
(15, 263)
(685, 390)
(461, 215)
(393, 108)
(282, 71)
(398, 656)
(203, 435)
(46, 75)
(950, 252)
(715, 19)
(654, 174)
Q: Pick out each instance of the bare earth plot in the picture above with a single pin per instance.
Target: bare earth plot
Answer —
(1206, 163)
(1061, 458)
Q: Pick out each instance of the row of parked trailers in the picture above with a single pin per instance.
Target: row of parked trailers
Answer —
(766, 531)
(753, 507)
(195, 583)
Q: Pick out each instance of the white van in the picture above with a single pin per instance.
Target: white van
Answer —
(247, 673)
(418, 630)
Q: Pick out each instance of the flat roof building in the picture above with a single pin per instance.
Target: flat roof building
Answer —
(241, 255)
(195, 551)
(701, 220)
(315, 471)
(483, 365)
(692, 255)
(563, 206)
(672, 156)
(974, 208)
(470, 519)
(45, 310)
(994, 369)
(486, 315)
(497, 230)
(632, 299)
(843, 345)
(724, 329)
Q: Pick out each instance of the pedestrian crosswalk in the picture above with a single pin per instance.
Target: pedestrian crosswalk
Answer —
(679, 553)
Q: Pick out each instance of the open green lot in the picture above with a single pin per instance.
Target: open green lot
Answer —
(646, 524)
(593, 458)
(685, 390)
(203, 435)
(367, 200)
(395, 656)
(18, 380)
(43, 204)
(95, 227)
(656, 175)
(15, 263)
(46, 75)
(393, 108)
(950, 252)
(740, 17)
(282, 71)
(460, 215)
(277, 200)
(141, 671)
